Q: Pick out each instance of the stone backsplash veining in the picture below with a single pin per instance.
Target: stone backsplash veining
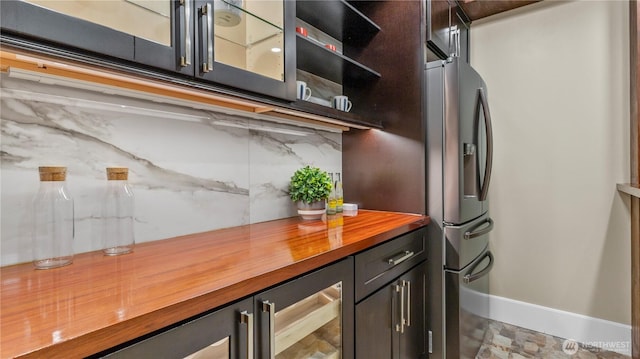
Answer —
(191, 170)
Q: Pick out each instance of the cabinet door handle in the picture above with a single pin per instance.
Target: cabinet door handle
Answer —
(407, 284)
(247, 318)
(207, 36)
(400, 257)
(400, 326)
(185, 59)
(270, 308)
(457, 35)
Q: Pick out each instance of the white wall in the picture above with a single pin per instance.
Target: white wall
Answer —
(191, 170)
(558, 80)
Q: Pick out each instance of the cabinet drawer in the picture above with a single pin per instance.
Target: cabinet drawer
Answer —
(378, 266)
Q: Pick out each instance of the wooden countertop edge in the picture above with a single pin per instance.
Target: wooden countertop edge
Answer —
(108, 337)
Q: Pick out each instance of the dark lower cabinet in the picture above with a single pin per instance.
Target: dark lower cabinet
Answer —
(390, 281)
(390, 322)
(308, 317)
(226, 333)
(370, 305)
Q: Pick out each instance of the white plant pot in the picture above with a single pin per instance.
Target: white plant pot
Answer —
(310, 211)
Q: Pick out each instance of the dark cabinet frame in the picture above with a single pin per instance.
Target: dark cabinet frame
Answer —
(34, 25)
(291, 292)
(195, 335)
(440, 17)
(246, 335)
(238, 78)
(390, 308)
(391, 321)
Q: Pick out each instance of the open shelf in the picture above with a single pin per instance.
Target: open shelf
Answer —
(338, 19)
(330, 112)
(312, 57)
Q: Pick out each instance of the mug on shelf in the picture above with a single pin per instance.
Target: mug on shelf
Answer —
(303, 92)
(341, 103)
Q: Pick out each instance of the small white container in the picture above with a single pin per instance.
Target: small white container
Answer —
(350, 209)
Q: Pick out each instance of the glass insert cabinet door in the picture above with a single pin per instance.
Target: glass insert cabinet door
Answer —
(308, 317)
(249, 35)
(246, 34)
(226, 333)
(153, 33)
(147, 19)
(308, 328)
(247, 44)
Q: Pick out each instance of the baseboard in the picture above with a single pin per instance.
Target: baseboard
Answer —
(590, 331)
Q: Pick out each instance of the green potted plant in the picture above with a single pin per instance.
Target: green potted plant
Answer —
(309, 188)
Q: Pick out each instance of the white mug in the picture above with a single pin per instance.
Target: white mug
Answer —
(303, 92)
(341, 103)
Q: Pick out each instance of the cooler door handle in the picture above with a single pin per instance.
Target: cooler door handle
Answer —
(246, 317)
(270, 308)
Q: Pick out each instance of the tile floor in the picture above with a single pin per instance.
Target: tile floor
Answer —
(505, 341)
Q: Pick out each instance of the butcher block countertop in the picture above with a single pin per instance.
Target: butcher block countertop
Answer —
(99, 301)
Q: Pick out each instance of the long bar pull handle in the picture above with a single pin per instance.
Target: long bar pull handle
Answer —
(473, 233)
(407, 284)
(271, 309)
(487, 121)
(400, 325)
(207, 14)
(399, 258)
(246, 317)
(185, 58)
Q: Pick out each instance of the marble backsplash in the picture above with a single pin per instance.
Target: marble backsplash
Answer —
(190, 170)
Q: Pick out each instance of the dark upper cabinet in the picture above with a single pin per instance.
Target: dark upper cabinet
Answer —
(438, 20)
(152, 34)
(459, 33)
(247, 45)
(447, 29)
(343, 22)
(348, 23)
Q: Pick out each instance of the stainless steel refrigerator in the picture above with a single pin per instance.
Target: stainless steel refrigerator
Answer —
(459, 148)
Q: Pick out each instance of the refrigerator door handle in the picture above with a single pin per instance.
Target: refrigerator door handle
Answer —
(469, 277)
(489, 160)
(473, 233)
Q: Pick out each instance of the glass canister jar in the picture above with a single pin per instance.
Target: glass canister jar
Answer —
(53, 220)
(117, 213)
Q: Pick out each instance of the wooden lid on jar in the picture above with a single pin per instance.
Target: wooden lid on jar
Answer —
(52, 173)
(117, 173)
